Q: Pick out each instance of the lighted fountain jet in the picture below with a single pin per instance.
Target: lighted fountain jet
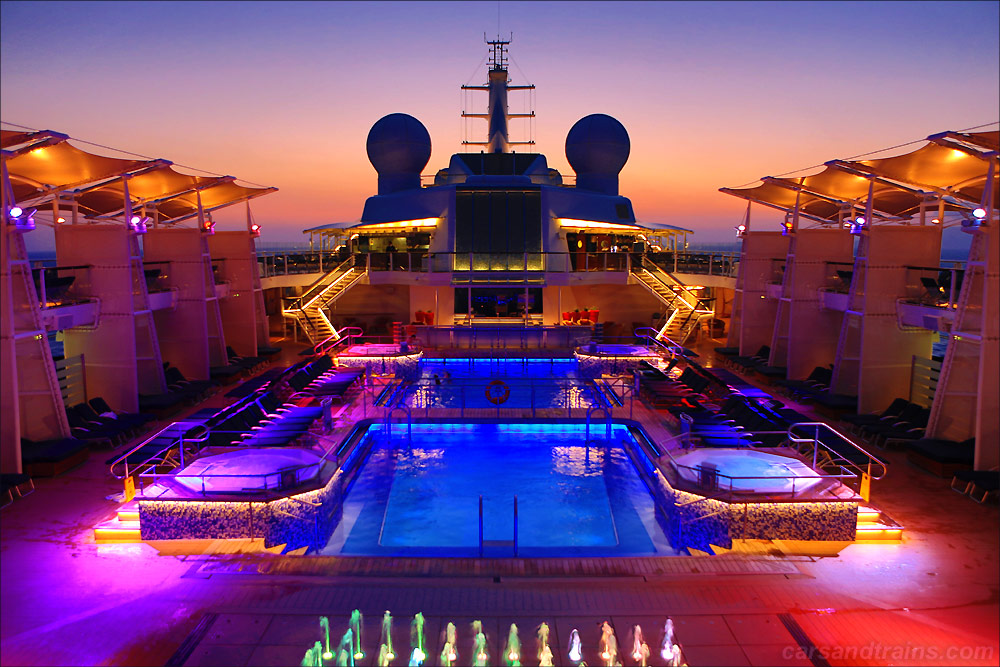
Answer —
(609, 645)
(359, 654)
(417, 656)
(544, 650)
(575, 647)
(324, 626)
(450, 652)
(666, 646)
(345, 651)
(675, 659)
(480, 658)
(512, 651)
(314, 656)
(640, 650)
(385, 652)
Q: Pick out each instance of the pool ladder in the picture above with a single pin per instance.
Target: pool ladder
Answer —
(497, 543)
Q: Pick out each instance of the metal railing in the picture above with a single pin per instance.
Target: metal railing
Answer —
(542, 393)
(423, 261)
(483, 542)
(328, 281)
(710, 263)
(848, 469)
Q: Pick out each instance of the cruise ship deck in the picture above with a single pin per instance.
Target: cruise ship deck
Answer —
(500, 418)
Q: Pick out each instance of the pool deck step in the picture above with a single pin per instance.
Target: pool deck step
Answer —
(117, 531)
(876, 527)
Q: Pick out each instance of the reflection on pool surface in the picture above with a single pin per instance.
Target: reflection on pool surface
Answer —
(424, 499)
(454, 383)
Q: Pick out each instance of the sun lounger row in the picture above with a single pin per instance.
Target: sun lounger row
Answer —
(900, 422)
(19, 483)
(47, 458)
(260, 420)
(942, 457)
(816, 389)
(320, 379)
(977, 484)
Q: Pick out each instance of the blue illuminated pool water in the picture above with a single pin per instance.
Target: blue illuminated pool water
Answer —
(549, 383)
(424, 499)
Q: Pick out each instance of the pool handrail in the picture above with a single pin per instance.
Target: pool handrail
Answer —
(816, 441)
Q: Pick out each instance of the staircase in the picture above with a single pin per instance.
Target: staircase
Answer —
(123, 528)
(686, 309)
(875, 527)
(307, 311)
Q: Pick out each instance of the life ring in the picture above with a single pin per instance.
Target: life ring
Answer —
(497, 392)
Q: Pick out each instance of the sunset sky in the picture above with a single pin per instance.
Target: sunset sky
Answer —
(712, 94)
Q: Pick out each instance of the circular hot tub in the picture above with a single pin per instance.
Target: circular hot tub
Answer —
(749, 471)
(250, 470)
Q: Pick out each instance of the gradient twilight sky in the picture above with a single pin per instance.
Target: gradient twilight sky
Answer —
(712, 94)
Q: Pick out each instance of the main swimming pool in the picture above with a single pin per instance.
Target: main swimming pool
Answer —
(422, 498)
(456, 383)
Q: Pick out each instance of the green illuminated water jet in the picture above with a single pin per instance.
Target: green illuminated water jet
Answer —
(345, 651)
(356, 629)
(314, 656)
(385, 652)
(417, 641)
(324, 625)
(512, 651)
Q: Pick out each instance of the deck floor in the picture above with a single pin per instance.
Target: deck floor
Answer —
(932, 599)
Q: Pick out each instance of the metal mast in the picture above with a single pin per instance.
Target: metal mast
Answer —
(497, 115)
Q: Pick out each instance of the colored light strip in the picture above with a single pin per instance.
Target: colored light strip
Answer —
(399, 224)
(594, 224)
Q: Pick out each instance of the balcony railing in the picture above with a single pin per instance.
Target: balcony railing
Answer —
(290, 263)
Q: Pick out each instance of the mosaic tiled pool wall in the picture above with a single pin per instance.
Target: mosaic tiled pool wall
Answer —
(698, 522)
(836, 521)
(306, 519)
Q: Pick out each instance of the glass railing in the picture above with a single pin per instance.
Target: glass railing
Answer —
(934, 286)
(61, 285)
(487, 263)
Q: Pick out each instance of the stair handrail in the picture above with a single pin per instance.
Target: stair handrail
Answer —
(300, 302)
(834, 455)
(325, 301)
(672, 299)
(656, 270)
(171, 445)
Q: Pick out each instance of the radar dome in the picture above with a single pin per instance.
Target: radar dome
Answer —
(597, 147)
(399, 147)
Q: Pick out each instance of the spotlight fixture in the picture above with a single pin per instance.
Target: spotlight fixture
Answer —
(137, 224)
(979, 213)
(23, 220)
(255, 230)
(740, 230)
